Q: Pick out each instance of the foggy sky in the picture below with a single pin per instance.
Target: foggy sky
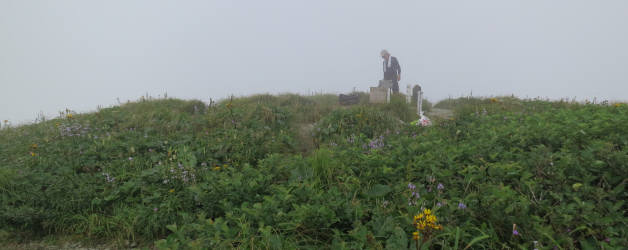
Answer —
(79, 54)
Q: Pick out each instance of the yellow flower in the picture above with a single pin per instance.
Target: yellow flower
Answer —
(216, 168)
(34, 146)
(33, 154)
(418, 217)
(616, 105)
(415, 235)
(224, 166)
(69, 116)
(494, 100)
(430, 218)
(426, 221)
(171, 191)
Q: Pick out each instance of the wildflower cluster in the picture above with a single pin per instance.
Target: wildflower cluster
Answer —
(414, 196)
(376, 143)
(425, 223)
(217, 167)
(184, 174)
(351, 139)
(75, 129)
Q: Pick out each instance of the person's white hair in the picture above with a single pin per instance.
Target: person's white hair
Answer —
(384, 52)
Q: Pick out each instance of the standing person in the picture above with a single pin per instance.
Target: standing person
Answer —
(392, 70)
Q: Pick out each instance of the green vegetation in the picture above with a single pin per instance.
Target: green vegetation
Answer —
(285, 172)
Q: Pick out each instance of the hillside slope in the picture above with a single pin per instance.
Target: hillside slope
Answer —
(302, 172)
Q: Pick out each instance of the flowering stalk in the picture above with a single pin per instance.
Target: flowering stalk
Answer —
(425, 223)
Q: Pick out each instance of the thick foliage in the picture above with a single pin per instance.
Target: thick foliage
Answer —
(232, 175)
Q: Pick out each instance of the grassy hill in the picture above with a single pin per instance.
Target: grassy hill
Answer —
(289, 171)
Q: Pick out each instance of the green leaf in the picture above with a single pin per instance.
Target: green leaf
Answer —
(398, 240)
(378, 190)
(475, 240)
(457, 238)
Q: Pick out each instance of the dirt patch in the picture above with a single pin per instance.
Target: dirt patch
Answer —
(440, 113)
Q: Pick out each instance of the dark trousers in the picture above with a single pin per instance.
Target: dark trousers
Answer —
(395, 87)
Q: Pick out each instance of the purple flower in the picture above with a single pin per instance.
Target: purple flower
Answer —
(130, 158)
(377, 143)
(607, 240)
(411, 186)
(439, 204)
(515, 232)
(461, 205)
(440, 186)
(155, 209)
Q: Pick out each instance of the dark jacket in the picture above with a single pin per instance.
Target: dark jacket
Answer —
(392, 70)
